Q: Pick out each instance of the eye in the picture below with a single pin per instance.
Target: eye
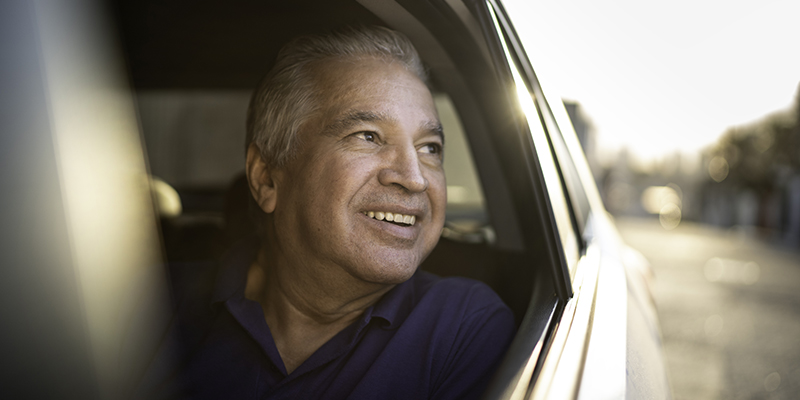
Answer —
(431, 148)
(368, 136)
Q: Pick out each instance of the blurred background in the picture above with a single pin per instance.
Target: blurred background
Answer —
(689, 114)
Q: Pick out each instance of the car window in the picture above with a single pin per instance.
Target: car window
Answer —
(467, 219)
(556, 193)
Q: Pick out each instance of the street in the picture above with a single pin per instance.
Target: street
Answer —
(729, 308)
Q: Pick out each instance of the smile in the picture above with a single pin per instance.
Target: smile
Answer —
(396, 218)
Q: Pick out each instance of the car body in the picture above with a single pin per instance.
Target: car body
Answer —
(524, 213)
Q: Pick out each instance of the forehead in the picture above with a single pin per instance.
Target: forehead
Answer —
(342, 84)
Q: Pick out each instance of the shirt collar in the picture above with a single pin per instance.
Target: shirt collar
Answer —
(393, 307)
(396, 304)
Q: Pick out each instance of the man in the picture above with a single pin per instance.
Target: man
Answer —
(345, 163)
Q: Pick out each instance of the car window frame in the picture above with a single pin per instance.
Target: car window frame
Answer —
(567, 327)
(507, 49)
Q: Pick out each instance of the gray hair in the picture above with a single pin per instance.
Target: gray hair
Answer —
(286, 97)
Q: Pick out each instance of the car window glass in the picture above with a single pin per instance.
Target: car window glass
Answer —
(552, 179)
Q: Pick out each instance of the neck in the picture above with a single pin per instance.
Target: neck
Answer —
(305, 306)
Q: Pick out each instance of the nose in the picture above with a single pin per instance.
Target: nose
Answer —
(403, 169)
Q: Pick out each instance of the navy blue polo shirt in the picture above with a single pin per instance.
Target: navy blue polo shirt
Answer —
(429, 337)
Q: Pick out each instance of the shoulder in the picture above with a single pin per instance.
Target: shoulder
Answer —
(456, 308)
(463, 296)
(470, 329)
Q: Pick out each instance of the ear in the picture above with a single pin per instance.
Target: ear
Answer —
(261, 178)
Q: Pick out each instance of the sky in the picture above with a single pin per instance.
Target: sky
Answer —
(661, 77)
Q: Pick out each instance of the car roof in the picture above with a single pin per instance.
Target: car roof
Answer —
(219, 45)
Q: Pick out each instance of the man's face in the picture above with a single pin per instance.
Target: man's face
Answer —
(374, 148)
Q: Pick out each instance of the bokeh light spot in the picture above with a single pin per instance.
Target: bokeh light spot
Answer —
(732, 271)
(750, 273)
(718, 168)
(772, 381)
(655, 198)
(670, 216)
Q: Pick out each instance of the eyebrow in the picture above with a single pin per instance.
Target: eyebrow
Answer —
(435, 127)
(355, 117)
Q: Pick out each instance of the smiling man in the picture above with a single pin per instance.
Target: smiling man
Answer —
(345, 164)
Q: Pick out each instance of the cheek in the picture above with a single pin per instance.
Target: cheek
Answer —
(438, 193)
(337, 182)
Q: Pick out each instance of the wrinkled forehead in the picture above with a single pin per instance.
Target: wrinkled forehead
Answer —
(368, 89)
(337, 76)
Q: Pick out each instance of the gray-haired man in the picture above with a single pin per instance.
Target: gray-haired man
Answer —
(345, 163)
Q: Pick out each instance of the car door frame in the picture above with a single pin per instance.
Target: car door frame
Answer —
(553, 366)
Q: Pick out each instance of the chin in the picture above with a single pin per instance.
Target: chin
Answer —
(389, 270)
(379, 262)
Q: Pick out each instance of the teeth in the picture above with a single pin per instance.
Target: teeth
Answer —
(392, 217)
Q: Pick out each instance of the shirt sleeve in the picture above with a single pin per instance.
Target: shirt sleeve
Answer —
(478, 348)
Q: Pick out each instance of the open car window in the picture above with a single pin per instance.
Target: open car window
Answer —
(467, 219)
(525, 88)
